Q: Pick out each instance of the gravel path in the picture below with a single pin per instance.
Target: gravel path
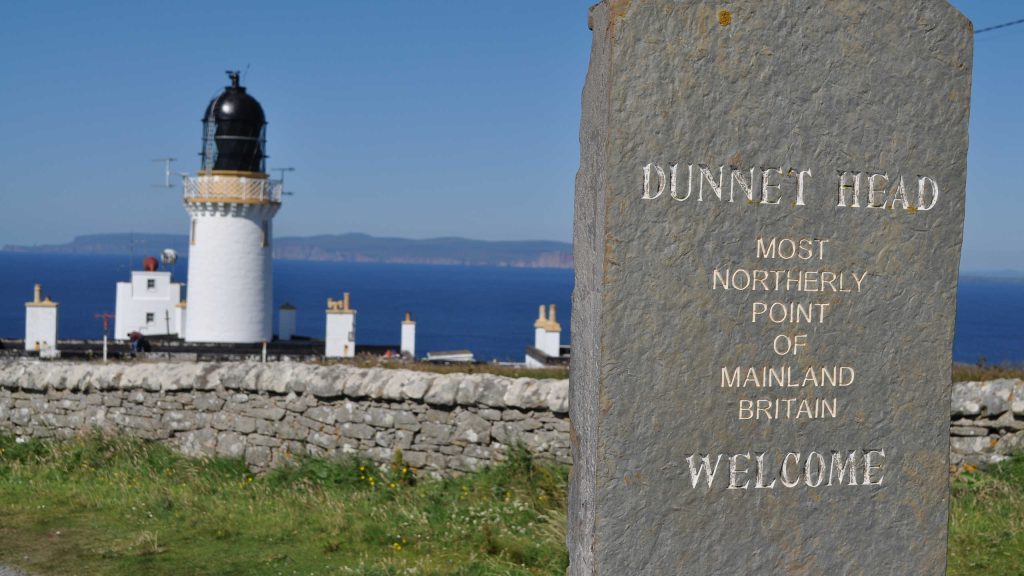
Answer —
(7, 571)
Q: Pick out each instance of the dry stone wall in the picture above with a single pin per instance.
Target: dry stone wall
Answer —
(442, 423)
(268, 413)
(987, 421)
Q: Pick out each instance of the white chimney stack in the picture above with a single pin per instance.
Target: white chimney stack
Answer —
(409, 336)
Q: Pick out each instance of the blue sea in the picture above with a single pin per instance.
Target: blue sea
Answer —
(487, 310)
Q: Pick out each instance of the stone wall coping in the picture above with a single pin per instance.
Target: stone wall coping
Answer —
(283, 378)
(988, 399)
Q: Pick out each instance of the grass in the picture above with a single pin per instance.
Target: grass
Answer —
(984, 371)
(121, 506)
(115, 506)
(986, 521)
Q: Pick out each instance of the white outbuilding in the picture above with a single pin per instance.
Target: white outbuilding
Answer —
(148, 303)
(285, 322)
(340, 340)
(41, 323)
(547, 338)
(408, 346)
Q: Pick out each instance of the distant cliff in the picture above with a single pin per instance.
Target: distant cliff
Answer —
(343, 248)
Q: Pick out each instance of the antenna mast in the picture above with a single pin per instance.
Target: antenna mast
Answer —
(167, 172)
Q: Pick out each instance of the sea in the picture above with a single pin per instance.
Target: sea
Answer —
(487, 310)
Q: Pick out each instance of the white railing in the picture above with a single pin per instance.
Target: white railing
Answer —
(231, 189)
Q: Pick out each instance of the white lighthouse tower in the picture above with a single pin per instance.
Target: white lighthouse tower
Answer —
(232, 204)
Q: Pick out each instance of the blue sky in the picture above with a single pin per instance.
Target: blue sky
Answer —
(402, 117)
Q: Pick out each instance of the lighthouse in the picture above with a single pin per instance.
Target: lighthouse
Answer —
(231, 203)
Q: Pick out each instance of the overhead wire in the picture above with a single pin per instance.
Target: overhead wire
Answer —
(998, 26)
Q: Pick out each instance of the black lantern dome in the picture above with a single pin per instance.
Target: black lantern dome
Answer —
(234, 131)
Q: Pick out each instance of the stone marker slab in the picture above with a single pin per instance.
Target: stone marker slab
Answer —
(769, 214)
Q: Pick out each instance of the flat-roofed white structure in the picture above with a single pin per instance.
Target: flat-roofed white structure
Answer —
(40, 323)
(408, 346)
(147, 304)
(340, 340)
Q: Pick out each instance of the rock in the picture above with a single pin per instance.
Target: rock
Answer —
(432, 433)
(527, 393)
(558, 396)
(698, 120)
(442, 391)
(493, 390)
(472, 429)
(198, 443)
(258, 457)
(968, 431)
(321, 414)
(379, 418)
(972, 445)
(415, 386)
(358, 431)
(230, 445)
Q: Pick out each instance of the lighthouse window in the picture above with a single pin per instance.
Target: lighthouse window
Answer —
(266, 234)
(149, 318)
(192, 239)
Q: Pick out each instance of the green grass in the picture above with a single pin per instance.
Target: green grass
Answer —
(986, 521)
(121, 506)
(102, 505)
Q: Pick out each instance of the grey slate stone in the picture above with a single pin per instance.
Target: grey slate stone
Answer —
(873, 86)
(470, 428)
(442, 391)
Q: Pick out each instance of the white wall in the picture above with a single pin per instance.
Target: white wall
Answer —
(136, 299)
(540, 338)
(181, 319)
(340, 340)
(41, 326)
(230, 277)
(409, 338)
(285, 323)
(552, 346)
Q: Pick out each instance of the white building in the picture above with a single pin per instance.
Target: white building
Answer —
(180, 318)
(286, 322)
(408, 346)
(41, 323)
(340, 340)
(147, 304)
(547, 338)
(232, 203)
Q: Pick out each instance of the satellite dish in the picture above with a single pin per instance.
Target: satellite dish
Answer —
(169, 256)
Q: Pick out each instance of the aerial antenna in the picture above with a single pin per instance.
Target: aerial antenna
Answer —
(282, 171)
(167, 172)
(245, 75)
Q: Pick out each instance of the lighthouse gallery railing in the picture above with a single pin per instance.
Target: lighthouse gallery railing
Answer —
(216, 188)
